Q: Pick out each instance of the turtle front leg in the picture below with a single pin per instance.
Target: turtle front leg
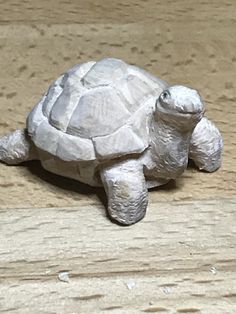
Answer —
(206, 146)
(126, 190)
(16, 147)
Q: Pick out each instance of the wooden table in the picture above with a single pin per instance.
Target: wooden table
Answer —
(182, 257)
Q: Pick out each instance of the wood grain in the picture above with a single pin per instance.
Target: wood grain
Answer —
(181, 258)
(173, 263)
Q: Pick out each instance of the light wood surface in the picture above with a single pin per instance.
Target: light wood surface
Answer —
(179, 259)
(182, 257)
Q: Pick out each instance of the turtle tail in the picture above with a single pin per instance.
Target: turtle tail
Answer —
(17, 147)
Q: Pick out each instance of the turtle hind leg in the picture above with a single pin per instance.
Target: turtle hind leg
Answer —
(126, 190)
(16, 147)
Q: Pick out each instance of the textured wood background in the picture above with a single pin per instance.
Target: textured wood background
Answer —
(182, 257)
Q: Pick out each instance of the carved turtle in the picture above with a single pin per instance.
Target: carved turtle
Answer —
(111, 124)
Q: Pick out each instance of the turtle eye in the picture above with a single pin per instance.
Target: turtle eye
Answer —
(165, 94)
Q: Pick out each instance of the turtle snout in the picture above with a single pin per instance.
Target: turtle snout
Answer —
(192, 107)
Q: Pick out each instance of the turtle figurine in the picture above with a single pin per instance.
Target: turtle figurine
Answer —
(111, 124)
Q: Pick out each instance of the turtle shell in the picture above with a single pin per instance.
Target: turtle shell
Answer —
(96, 110)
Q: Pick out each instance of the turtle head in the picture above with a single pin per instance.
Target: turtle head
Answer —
(180, 104)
